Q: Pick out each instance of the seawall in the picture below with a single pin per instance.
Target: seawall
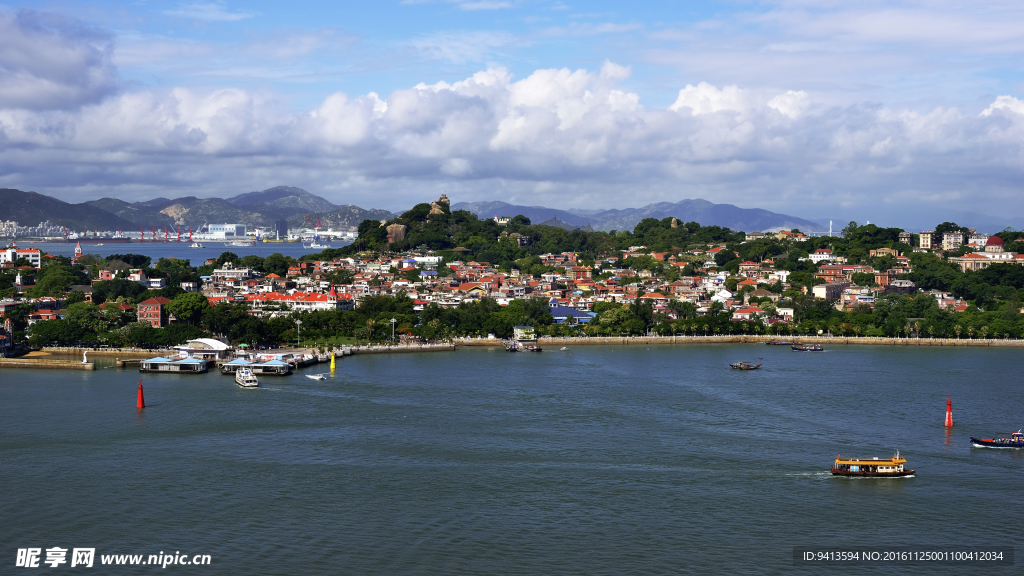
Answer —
(749, 339)
(115, 352)
(44, 364)
(401, 349)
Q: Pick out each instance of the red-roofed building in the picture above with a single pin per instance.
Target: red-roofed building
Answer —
(154, 311)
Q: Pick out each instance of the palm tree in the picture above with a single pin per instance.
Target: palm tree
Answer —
(958, 329)
(917, 328)
(931, 331)
(984, 332)
(369, 330)
(970, 332)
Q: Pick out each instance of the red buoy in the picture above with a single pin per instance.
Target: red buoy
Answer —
(949, 412)
(141, 403)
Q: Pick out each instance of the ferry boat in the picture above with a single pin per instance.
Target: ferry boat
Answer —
(1016, 440)
(242, 243)
(245, 378)
(744, 366)
(195, 245)
(872, 467)
(316, 246)
(808, 347)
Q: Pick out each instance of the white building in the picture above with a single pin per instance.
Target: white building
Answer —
(34, 257)
(820, 255)
(225, 231)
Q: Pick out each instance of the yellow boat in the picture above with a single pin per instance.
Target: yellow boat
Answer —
(872, 467)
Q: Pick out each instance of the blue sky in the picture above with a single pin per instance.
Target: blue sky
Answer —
(881, 111)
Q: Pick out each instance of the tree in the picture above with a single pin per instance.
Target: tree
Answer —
(188, 307)
(850, 229)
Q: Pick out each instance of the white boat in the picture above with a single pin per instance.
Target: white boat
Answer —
(242, 243)
(316, 246)
(195, 245)
(100, 244)
(245, 378)
(316, 376)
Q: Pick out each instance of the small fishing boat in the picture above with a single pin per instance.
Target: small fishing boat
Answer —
(807, 347)
(564, 348)
(195, 245)
(1016, 440)
(317, 376)
(245, 378)
(512, 346)
(872, 467)
(532, 348)
(744, 366)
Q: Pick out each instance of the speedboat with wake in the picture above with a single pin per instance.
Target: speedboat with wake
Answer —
(1016, 440)
(245, 378)
(317, 376)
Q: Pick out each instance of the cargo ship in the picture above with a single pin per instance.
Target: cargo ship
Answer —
(100, 240)
(871, 467)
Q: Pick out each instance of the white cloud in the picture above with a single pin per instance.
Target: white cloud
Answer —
(464, 46)
(50, 61)
(1005, 103)
(793, 103)
(573, 131)
(209, 12)
(705, 99)
(485, 5)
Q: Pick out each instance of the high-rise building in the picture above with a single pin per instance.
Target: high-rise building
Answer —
(281, 227)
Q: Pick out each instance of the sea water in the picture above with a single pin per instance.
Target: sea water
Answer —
(591, 460)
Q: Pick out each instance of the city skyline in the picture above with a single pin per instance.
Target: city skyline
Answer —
(819, 110)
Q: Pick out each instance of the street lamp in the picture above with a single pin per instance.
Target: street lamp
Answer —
(298, 324)
(393, 329)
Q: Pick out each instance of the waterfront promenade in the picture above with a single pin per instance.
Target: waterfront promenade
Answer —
(748, 339)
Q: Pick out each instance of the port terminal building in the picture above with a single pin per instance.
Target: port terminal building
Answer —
(224, 231)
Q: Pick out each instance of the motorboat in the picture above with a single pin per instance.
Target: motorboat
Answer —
(808, 347)
(245, 378)
(316, 376)
(1016, 440)
(195, 245)
(744, 366)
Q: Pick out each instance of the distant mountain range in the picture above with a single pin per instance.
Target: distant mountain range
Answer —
(701, 211)
(295, 205)
(254, 209)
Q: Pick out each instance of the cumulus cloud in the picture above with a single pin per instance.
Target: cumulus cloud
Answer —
(793, 103)
(1005, 103)
(705, 98)
(554, 132)
(50, 61)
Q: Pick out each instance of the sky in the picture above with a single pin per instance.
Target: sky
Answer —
(890, 112)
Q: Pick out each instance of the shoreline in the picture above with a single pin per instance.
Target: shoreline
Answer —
(129, 357)
(750, 339)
